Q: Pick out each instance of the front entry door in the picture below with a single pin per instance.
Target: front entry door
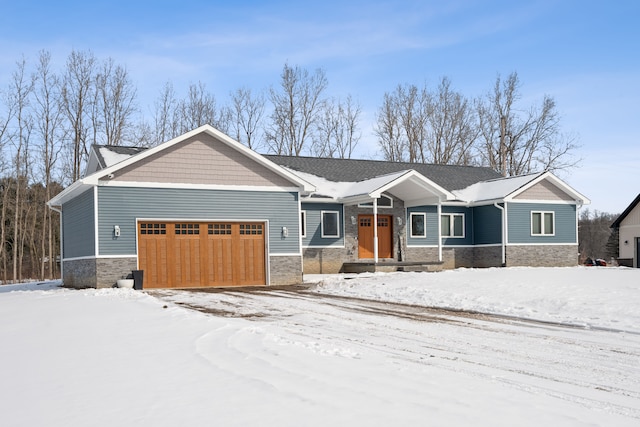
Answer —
(365, 236)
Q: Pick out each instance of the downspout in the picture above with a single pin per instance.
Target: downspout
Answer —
(375, 230)
(504, 233)
(53, 208)
(439, 210)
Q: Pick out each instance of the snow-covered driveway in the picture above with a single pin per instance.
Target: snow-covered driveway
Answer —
(594, 368)
(561, 348)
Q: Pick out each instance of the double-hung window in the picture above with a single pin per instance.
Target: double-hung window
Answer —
(452, 225)
(418, 224)
(330, 224)
(542, 223)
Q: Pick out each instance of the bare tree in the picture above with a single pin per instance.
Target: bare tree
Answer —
(199, 108)
(337, 129)
(78, 102)
(296, 108)
(116, 102)
(20, 92)
(516, 142)
(49, 130)
(594, 234)
(452, 124)
(389, 130)
(247, 112)
(165, 121)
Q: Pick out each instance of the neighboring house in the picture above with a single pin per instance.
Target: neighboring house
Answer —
(628, 227)
(203, 210)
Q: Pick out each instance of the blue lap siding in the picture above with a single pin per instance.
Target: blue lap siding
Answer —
(123, 205)
(487, 225)
(313, 215)
(432, 226)
(78, 217)
(520, 223)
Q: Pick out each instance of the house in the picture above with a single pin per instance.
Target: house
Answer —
(203, 210)
(628, 227)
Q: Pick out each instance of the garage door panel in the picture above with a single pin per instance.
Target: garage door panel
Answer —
(153, 252)
(184, 254)
(219, 261)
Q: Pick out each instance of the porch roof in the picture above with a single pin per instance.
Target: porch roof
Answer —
(408, 185)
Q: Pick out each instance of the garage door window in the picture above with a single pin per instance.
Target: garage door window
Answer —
(217, 229)
(153, 228)
(255, 229)
(187, 228)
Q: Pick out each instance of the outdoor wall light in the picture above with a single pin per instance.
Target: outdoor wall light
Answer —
(353, 220)
(116, 230)
(285, 232)
(399, 219)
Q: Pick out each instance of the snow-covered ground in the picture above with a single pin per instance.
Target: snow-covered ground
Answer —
(358, 350)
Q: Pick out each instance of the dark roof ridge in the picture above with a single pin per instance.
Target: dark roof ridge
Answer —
(374, 160)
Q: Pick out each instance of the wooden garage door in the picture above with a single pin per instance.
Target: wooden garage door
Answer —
(192, 255)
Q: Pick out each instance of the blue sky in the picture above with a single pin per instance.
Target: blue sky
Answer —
(585, 54)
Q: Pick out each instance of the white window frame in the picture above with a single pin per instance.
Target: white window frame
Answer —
(542, 227)
(330, 236)
(452, 226)
(303, 223)
(370, 204)
(424, 219)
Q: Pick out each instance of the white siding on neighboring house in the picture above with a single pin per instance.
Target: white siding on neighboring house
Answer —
(629, 231)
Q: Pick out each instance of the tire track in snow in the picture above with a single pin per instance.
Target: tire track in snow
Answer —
(594, 368)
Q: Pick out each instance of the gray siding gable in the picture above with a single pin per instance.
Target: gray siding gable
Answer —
(123, 205)
(78, 220)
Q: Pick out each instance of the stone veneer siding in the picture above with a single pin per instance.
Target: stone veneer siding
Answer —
(105, 272)
(487, 256)
(451, 257)
(542, 256)
(80, 273)
(110, 270)
(285, 270)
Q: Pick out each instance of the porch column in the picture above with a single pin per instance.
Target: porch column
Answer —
(439, 230)
(375, 230)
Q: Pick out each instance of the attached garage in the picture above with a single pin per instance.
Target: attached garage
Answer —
(201, 210)
(202, 254)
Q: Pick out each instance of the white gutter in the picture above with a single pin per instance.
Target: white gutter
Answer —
(53, 208)
(375, 230)
(504, 233)
(439, 230)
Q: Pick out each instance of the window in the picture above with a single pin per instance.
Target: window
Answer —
(418, 225)
(187, 228)
(383, 202)
(247, 229)
(156, 228)
(303, 223)
(218, 229)
(452, 225)
(330, 224)
(542, 223)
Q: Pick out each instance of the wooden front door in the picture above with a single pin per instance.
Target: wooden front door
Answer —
(365, 236)
(192, 255)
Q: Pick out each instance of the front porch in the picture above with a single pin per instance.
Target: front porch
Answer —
(390, 266)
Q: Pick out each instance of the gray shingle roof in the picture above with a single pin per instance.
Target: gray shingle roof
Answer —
(350, 170)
